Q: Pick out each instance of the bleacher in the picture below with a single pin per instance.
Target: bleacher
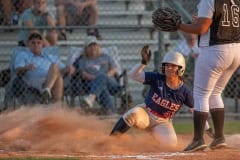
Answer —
(123, 23)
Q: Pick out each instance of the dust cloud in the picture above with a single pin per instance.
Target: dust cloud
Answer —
(55, 129)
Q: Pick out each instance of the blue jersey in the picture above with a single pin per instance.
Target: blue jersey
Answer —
(163, 100)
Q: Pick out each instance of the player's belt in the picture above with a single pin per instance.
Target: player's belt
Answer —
(156, 113)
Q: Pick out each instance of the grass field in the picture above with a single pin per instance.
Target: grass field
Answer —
(231, 127)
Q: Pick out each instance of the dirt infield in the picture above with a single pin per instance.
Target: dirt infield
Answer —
(223, 154)
(57, 132)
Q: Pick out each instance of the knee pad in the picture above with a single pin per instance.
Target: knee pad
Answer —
(137, 117)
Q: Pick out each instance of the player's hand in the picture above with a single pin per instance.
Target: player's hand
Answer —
(146, 55)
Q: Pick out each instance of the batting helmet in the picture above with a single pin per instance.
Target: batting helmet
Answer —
(174, 58)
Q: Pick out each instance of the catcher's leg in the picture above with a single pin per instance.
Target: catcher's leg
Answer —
(218, 122)
(136, 116)
(199, 119)
(217, 107)
(207, 74)
(217, 113)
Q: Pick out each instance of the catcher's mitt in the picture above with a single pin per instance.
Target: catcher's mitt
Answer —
(166, 19)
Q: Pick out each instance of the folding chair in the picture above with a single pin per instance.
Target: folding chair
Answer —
(9, 97)
(121, 77)
(17, 92)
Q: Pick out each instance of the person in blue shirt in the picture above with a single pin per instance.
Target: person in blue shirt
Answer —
(96, 71)
(38, 16)
(40, 69)
(166, 96)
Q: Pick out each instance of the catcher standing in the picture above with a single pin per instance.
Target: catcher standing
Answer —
(217, 25)
(166, 96)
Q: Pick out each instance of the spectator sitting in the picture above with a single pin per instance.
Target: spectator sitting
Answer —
(41, 70)
(74, 13)
(11, 10)
(37, 16)
(97, 72)
(21, 5)
(6, 9)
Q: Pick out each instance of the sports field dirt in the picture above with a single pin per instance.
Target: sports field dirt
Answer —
(56, 132)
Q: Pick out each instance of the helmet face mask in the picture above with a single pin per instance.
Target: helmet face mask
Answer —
(175, 58)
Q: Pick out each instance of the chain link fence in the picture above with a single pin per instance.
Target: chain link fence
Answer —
(122, 28)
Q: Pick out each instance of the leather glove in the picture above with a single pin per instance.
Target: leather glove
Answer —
(146, 55)
(166, 19)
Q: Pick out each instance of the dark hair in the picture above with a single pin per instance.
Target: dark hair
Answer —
(35, 36)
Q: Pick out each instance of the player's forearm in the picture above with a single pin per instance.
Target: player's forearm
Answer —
(191, 28)
(137, 73)
(200, 26)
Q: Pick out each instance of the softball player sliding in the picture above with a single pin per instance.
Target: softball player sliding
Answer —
(167, 95)
(217, 24)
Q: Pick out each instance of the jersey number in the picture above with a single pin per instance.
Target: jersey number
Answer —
(234, 9)
(168, 114)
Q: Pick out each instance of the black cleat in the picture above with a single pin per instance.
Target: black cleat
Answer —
(195, 145)
(218, 143)
(209, 132)
(119, 128)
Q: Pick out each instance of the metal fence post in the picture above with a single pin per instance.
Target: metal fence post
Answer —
(158, 54)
